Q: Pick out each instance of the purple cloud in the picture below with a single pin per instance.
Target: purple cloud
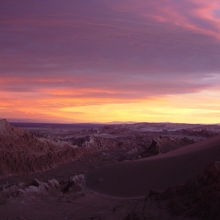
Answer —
(135, 48)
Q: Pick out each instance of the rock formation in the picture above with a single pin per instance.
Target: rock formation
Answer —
(22, 152)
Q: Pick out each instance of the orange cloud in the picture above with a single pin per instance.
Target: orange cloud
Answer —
(187, 108)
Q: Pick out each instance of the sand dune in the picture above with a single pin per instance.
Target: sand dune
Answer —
(130, 179)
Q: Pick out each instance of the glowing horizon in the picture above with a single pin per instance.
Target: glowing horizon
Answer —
(104, 61)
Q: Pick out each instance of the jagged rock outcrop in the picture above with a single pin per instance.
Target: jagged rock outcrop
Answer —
(153, 149)
(125, 147)
(22, 152)
(7, 130)
(75, 185)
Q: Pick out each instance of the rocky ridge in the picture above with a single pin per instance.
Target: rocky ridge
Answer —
(23, 152)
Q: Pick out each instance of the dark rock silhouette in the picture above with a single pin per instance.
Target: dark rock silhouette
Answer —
(198, 198)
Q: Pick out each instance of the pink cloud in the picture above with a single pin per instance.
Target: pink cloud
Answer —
(106, 51)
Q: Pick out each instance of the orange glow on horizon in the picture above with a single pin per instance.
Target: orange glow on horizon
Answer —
(202, 107)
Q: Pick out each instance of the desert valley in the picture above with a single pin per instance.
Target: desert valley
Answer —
(102, 172)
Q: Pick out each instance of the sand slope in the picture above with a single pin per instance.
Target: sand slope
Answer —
(136, 178)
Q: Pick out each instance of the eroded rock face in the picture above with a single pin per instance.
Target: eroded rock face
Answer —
(123, 147)
(22, 152)
(7, 130)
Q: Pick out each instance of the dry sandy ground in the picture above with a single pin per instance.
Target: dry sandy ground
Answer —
(132, 179)
(63, 207)
(90, 206)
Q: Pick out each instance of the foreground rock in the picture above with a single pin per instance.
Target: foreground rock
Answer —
(74, 184)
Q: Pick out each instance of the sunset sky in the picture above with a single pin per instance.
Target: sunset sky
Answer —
(110, 60)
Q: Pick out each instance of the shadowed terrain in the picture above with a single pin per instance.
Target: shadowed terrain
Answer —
(158, 172)
(108, 172)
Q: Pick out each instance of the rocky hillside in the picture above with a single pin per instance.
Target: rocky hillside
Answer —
(22, 152)
(130, 146)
